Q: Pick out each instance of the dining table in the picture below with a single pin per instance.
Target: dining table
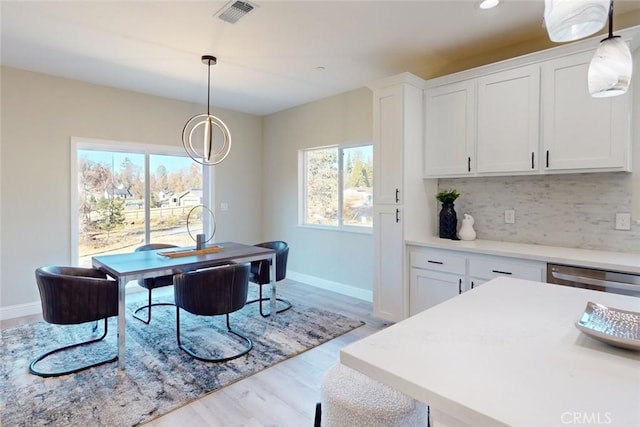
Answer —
(125, 267)
(514, 353)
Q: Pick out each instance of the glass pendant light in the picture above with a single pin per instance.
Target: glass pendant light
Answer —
(611, 67)
(568, 20)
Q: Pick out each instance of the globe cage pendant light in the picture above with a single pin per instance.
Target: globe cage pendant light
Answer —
(568, 20)
(611, 67)
(206, 156)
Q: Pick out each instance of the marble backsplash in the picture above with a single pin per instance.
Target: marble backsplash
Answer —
(573, 210)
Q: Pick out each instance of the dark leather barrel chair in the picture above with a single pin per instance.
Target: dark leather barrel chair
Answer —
(260, 273)
(75, 295)
(152, 283)
(211, 292)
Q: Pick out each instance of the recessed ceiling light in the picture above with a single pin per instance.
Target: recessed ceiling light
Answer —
(489, 4)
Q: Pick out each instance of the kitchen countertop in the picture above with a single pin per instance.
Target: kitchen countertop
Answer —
(507, 353)
(605, 260)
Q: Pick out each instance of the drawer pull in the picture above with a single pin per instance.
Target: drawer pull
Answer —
(501, 272)
(435, 262)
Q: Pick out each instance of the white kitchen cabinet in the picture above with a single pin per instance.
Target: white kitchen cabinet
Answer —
(436, 276)
(508, 119)
(388, 134)
(400, 204)
(389, 291)
(581, 133)
(439, 274)
(449, 122)
(429, 288)
(483, 268)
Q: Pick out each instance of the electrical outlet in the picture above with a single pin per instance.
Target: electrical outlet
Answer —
(623, 221)
(224, 206)
(509, 216)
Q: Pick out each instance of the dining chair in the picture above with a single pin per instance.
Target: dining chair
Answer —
(260, 273)
(152, 283)
(213, 291)
(75, 295)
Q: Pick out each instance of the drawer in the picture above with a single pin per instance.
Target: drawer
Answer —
(489, 268)
(439, 261)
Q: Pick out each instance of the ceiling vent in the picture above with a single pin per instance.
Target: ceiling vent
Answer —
(234, 10)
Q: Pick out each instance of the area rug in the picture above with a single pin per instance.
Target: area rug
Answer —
(159, 377)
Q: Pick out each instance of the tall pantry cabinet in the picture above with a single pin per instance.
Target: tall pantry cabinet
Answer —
(404, 202)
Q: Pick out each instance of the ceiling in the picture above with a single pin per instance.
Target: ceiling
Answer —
(280, 55)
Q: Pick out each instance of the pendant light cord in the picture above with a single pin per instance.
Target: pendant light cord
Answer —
(209, 84)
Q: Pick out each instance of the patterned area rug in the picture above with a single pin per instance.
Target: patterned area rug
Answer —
(159, 377)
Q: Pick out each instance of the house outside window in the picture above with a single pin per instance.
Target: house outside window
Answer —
(336, 187)
(127, 195)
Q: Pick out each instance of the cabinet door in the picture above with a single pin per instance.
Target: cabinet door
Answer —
(449, 130)
(581, 132)
(429, 288)
(508, 117)
(389, 293)
(388, 144)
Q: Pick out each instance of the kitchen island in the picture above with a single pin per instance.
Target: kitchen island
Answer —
(508, 353)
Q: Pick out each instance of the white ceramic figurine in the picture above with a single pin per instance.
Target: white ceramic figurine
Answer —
(466, 231)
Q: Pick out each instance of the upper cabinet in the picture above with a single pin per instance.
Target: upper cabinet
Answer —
(508, 118)
(449, 129)
(581, 133)
(388, 137)
(528, 115)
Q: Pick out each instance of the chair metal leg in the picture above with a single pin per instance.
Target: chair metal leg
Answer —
(287, 304)
(148, 307)
(33, 370)
(246, 339)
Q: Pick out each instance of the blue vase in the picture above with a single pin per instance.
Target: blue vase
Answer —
(448, 222)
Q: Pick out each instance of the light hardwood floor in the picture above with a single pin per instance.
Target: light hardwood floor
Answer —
(284, 394)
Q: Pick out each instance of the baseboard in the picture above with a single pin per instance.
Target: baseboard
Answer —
(20, 310)
(31, 308)
(329, 285)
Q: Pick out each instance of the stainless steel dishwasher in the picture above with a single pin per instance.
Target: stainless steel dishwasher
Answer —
(599, 280)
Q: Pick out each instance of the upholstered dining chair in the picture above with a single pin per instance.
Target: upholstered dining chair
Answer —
(152, 283)
(75, 295)
(211, 292)
(260, 273)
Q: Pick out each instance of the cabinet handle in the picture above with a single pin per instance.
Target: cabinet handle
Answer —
(435, 262)
(397, 198)
(547, 158)
(459, 286)
(469, 164)
(472, 284)
(502, 272)
(397, 215)
(532, 162)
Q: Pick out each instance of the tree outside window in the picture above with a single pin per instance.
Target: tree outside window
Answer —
(337, 186)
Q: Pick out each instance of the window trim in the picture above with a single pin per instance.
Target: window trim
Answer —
(302, 188)
(79, 143)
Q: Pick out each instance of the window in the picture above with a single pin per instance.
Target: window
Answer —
(126, 195)
(337, 186)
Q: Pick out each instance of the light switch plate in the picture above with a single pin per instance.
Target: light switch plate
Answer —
(623, 221)
(509, 216)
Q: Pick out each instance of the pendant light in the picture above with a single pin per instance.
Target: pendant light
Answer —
(207, 125)
(568, 20)
(611, 67)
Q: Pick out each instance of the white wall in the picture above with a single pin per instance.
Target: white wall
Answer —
(341, 258)
(39, 115)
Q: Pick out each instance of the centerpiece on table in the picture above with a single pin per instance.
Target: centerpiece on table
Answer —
(448, 218)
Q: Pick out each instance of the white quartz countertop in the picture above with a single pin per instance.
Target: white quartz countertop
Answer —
(508, 353)
(606, 260)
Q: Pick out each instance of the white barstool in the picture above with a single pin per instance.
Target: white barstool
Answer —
(352, 399)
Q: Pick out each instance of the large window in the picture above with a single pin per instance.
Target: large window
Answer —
(127, 195)
(337, 186)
